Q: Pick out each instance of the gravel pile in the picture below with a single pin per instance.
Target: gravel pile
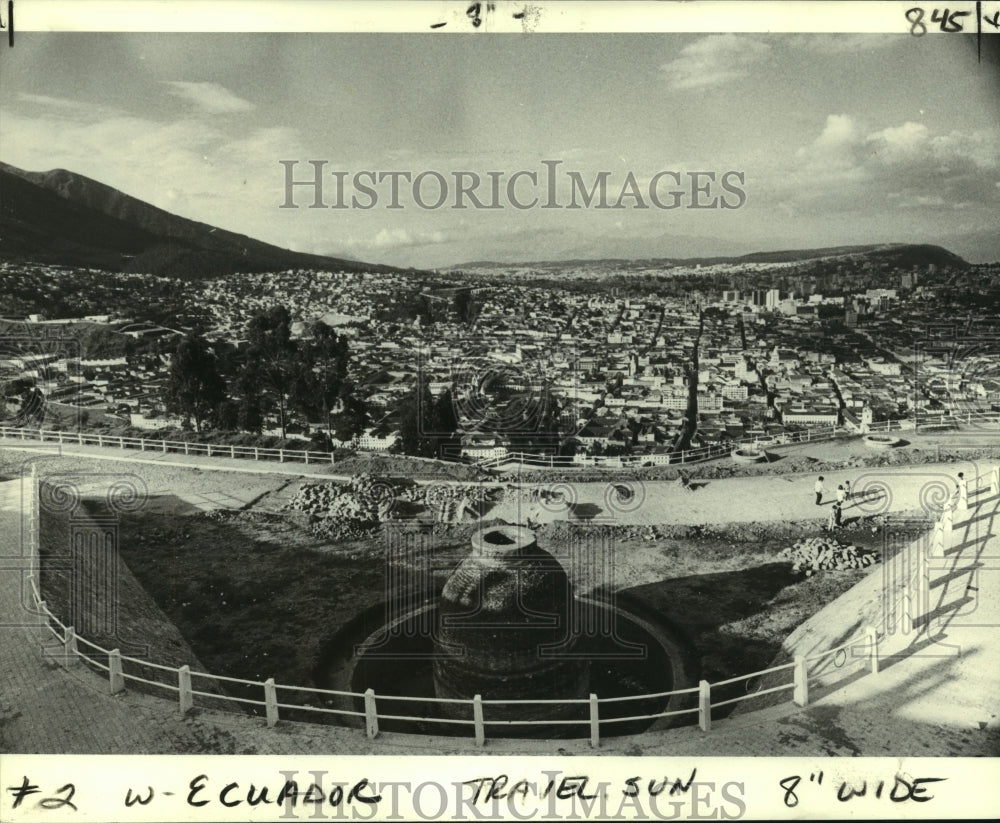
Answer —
(819, 553)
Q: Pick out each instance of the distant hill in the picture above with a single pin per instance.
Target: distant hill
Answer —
(903, 255)
(65, 218)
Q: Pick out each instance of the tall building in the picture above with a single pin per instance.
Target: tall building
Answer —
(771, 299)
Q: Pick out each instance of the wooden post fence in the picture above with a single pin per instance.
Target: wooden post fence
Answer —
(906, 618)
(184, 689)
(371, 715)
(705, 705)
(271, 701)
(873, 662)
(116, 678)
(801, 691)
(477, 718)
(595, 722)
(71, 654)
(923, 592)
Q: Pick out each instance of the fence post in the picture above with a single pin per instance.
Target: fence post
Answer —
(100, 440)
(371, 715)
(306, 453)
(331, 458)
(121, 442)
(187, 447)
(873, 661)
(116, 678)
(595, 722)
(256, 453)
(184, 689)
(705, 705)
(271, 701)
(79, 438)
(60, 438)
(71, 654)
(923, 592)
(477, 717)
(281, 455)
(801, 693)
(232, 451)
(208, 449)
(906, 618)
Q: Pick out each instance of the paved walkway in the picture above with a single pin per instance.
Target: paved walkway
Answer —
(736, 499)
(746, 499)
(937, 694)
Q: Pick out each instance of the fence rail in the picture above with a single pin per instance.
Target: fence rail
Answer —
(698, 455)
(804, 667)
(167, 446)
(764, 441)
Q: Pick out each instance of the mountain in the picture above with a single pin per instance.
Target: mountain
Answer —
(65, 218)
(895, 255)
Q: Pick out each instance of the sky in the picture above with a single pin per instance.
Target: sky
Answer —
(841, 139)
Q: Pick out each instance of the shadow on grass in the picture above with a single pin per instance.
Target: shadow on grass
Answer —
(236, 594)
(705, 607)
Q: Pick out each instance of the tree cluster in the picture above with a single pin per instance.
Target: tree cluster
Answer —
(275, 375)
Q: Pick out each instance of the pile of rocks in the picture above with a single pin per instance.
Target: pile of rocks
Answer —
(820, 553)
(345, 511)
(355, 508)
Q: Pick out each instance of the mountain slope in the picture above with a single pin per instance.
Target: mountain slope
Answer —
(902, 255)
(65, 218)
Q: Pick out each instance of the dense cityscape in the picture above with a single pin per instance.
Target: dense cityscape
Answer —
(590, 361)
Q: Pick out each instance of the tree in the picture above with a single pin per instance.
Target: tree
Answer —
(320, 383)
(465, 307)
(272, 355)
(249, 414)
(352, 416)
(194, 386)
(226, 415)
(415, 419)
(444, 422)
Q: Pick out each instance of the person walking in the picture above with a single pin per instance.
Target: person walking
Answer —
(957, 496)
(841, 494)
(836, 515)
(819, 488)
(831, 521)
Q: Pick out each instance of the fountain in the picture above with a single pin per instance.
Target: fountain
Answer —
(508, 626)
(504, 629)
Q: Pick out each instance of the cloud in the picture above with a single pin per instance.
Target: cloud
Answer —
(714, 60)
(836, 144)
(399, 237)
(841, 43)
(63, 107)
(209, 97)
(905, 166)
